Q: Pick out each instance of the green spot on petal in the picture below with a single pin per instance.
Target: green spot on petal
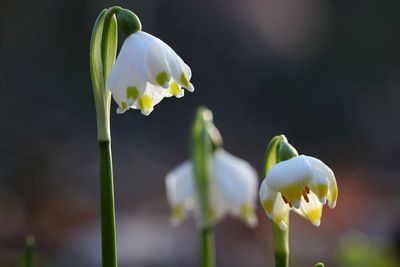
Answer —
(174, 88)
(184, 80)
(178, 212)
(124, 105)
(246, 210)
(132, 92)
(162, 78)
(268, 205)
(145, 102)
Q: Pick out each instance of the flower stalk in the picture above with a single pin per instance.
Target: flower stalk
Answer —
(103, 49)
(202, 147)
(28, 252)
(207, 247)
(278, 150)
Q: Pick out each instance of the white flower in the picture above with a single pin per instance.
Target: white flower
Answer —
(232, 189)
(146, 71)
(302, 182)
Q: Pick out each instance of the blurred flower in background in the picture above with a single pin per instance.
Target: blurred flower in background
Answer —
(232, 187)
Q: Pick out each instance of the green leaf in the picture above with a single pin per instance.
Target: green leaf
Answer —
(109, 42)
(103, 49)
(96, 64)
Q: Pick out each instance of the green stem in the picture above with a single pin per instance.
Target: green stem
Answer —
(279, 150)
(28, 253)
(207, 247)
(203, 133)
(108, 231)
(281, 245)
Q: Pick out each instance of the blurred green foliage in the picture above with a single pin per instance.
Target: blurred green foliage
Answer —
(363, 252)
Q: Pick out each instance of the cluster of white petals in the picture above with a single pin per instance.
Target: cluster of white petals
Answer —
(146, 71)
(232, 189)
(302, 184)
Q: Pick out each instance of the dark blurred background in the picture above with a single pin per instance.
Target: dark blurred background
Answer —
(324, 73)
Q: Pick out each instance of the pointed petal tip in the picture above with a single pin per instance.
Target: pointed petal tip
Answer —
(317, 223)
(252, 221)
(190, 88)
(180, 95)
(121, 111)
(146, 112)
(282, 225)
(332, 204)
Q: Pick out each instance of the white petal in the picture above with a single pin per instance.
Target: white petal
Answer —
(280, 212)
(129, 69)
(319, 186)
(311, 210)
(158, 68)
(237, 181)
(151, 97)
(179, 70)
(267, 198)
(323, 170)
(290, 177)
(180, 190)
(274, 206)
(143, 72)
(162, 58)
(218, 207)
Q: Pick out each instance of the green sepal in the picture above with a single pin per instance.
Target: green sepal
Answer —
(286, 151)
(319, 264)
(128, 22)
(278, 150)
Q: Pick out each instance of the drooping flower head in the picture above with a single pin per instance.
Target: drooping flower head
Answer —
(233, 189)
(302, 184)
(146, 71)
(213, 183)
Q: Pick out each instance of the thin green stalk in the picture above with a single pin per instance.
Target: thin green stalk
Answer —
(28, 253)
(204, 139)
(207, 247)
(281, 245)
(279, 150)
(102, 54)
(103, 48)
(108, 230)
